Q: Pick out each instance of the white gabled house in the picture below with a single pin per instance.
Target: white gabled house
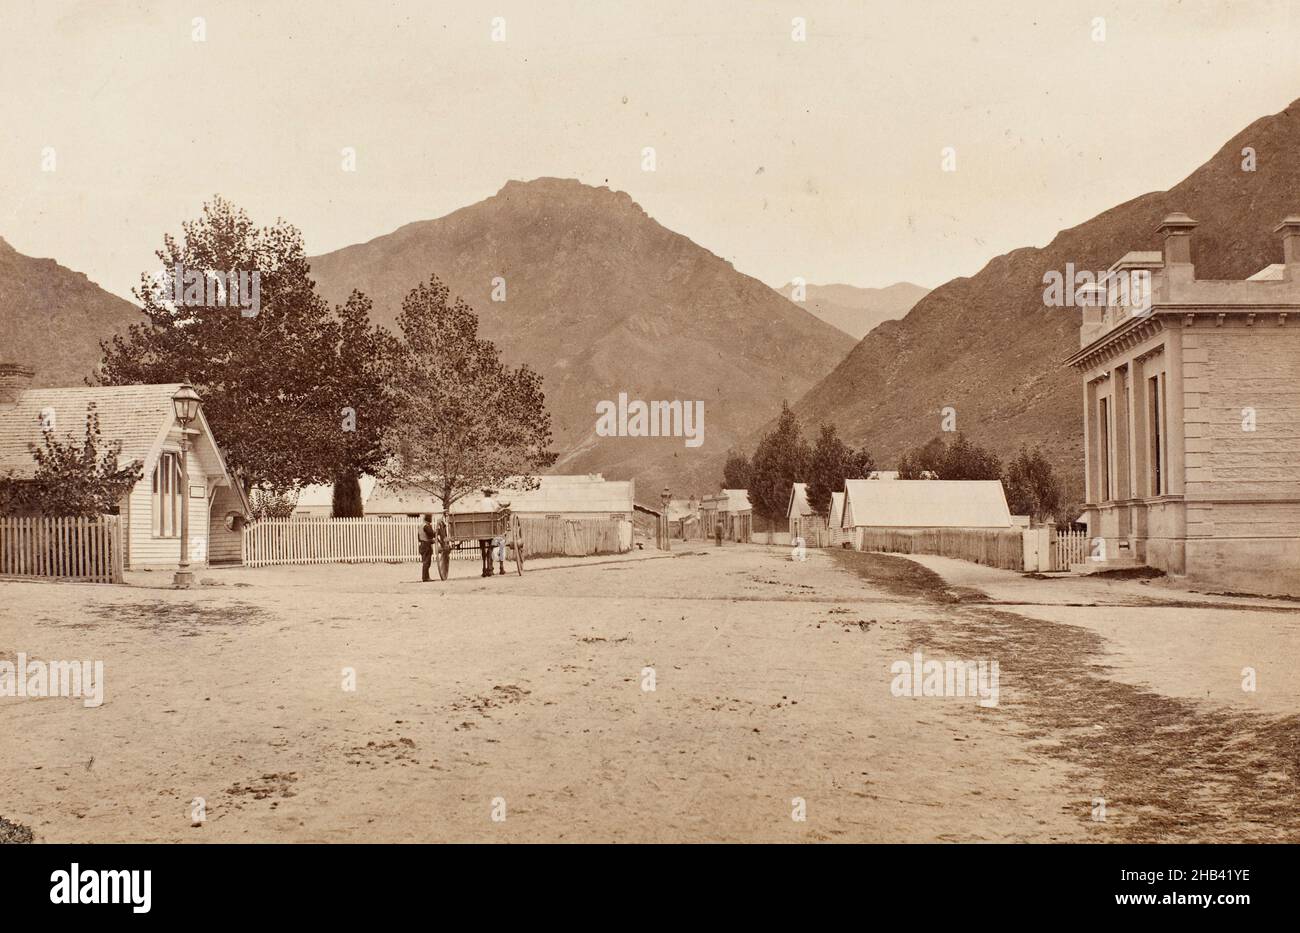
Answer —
(923, 503)
(838, 535)
(804, 521)
(143, 419)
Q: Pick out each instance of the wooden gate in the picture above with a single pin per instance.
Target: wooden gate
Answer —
(1071, 548)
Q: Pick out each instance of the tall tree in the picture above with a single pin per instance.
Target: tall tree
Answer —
(464, 420)
(831, 463)
(965, 460)
(736, 472)
(358, 389)
(272, 381)
(77, 479)
(780, 459)
(1032, 486)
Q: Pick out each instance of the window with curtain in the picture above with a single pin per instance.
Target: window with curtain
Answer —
(167, 496)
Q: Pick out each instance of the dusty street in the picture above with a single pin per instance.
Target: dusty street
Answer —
(526, 698)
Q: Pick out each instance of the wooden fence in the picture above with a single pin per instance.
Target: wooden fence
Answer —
(558, 537)
(991, 547)
(334, 540)
(377, 540)
(76, 549)
(1071, 548)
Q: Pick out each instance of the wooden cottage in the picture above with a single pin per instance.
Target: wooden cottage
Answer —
(143, 420)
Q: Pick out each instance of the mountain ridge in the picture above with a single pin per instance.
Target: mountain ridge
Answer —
(53, 317)
(601, 298)
(987, 346)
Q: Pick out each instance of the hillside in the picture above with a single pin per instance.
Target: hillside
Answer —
(602, 299)
(857, 311)
(52, 319)
(989, 347)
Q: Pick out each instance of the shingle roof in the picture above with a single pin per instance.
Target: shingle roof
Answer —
(134, 415)
(926, 503)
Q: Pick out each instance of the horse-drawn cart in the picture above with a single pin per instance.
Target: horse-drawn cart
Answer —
(463, 531)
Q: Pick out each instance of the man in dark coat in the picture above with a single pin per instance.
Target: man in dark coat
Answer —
(426, 547)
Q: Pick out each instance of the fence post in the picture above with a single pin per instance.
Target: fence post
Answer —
(118, 535)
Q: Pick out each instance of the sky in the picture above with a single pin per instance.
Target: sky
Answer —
(822, 159)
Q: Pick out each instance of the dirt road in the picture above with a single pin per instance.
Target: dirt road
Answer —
(710, 696)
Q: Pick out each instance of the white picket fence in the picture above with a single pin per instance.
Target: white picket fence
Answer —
(1072, 547)
(335, 540)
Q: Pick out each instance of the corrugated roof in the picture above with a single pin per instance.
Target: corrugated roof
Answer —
(135, 415)
(729, 500)
(798, 504)
(837, 509)
(322, 494)
(737, 500)
(1275, 272)
(926, 503)
(556, 494)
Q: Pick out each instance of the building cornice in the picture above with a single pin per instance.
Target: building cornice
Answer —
(1116, 341)
(1188, 314)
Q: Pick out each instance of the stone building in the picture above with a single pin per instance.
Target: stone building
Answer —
(1191, 409)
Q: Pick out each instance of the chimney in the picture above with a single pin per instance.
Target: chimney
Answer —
(1290, 230)
(1177, 231)
(13, 380)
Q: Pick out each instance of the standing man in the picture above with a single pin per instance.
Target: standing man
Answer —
(426, 547)
(489, 505)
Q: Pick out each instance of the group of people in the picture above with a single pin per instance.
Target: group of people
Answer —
(440, 534)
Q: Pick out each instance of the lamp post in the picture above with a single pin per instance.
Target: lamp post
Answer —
(664, 528)
(186, 403)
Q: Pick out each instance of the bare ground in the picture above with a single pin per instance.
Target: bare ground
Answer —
(524, 696)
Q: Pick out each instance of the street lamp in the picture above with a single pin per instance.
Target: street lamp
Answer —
(666, 530)
(186, 402)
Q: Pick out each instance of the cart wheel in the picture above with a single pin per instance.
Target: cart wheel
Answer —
(444, 561)
(517, 542)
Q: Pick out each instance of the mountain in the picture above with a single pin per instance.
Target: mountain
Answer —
(602, 300)
(52, 319)
(988, 346)
(857, 310)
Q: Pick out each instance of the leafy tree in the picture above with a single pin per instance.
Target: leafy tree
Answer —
(735, 472)
(273, 503)
(965, 460)
(357, 389)
(272, 383)
(831, 463)
(957, 459)
(72, 478)
(923, 462)
(464, 421)
(781, 459)
(1032, 486)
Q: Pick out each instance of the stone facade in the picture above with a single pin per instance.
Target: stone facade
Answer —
(1192, 417)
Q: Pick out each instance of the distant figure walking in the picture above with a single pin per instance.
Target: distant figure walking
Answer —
(717, 534)
(427, 536)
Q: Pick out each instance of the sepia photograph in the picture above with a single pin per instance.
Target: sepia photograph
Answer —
(771, 422)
